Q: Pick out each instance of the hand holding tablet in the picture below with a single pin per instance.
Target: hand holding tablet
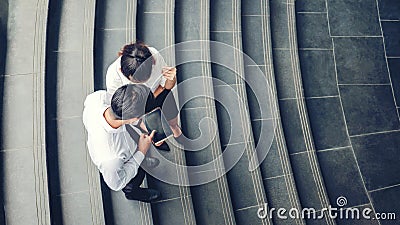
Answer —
(155, 120)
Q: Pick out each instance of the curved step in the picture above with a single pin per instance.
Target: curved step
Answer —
(246, 187)
(294, 114)
(211, 200)
(155, 26)
(116, 26)
(276, 168)
(301, 105)
(74, 181)
(23, 126)
(3, 52)
(3, 55)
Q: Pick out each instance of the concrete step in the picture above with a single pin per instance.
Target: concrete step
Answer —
(3, 55)
(24, 193)
(113, 29)
(295, 121)
(155, 26)
(74, 182)
(264, 110)
(245, 184)
(115, 26)
(210, 193)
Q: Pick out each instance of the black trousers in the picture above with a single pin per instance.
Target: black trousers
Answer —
(166, 101)
(133, 186)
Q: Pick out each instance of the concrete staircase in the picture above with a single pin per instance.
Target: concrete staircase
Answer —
(281, 126)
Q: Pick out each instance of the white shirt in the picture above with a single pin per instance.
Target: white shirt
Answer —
(115, 78)
(113, 151)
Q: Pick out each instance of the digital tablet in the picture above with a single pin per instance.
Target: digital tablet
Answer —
(155, 120)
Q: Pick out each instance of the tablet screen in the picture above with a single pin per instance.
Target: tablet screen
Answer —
(155, 120)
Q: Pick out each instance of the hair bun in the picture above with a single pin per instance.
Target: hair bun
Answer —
(128, 50)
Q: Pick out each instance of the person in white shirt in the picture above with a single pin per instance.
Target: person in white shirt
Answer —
(139, 63)
(111, 147)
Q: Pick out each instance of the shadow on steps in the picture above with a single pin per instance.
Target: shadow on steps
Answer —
(3, 51)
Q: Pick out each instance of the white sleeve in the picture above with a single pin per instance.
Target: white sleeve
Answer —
(161, 64)
(117, 173)
(162, 81)
(113, 82)
(157, 69)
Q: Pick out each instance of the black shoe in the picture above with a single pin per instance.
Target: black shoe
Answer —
(164, 146)
(144, 195)
(151, 162)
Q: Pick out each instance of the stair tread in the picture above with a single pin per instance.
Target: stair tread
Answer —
(246, 188)
(155, 27)
(113, 30)
(74, 186)
(294, 115)
(22, 41)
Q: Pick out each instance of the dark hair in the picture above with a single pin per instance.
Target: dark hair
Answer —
(129, 101)
(136, 61)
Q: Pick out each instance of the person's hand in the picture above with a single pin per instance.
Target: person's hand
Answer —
(169, 73)
(158, 144)
(145, 142)
(143, 126)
